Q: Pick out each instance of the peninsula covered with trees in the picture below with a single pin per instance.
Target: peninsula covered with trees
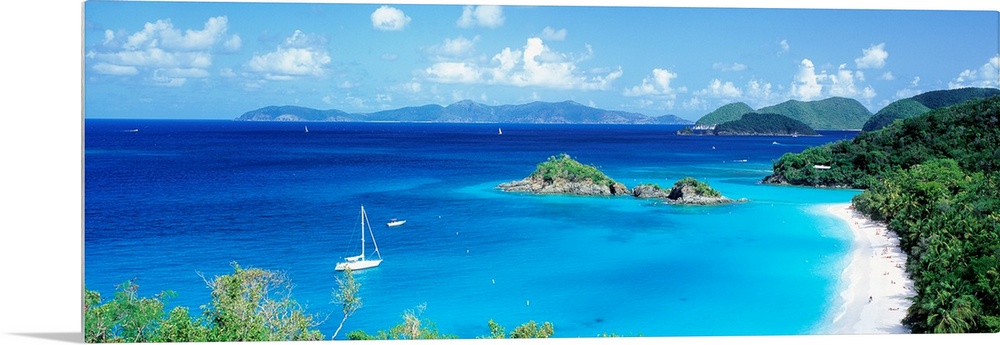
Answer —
(835, 113)
(751, 124)
(932, 179)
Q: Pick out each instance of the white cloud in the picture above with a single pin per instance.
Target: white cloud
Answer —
(759, 93)
(733, 67)
(234, 43)
(553, 35)
(453, 48)
(485, 16)
(294, 58)
(454, 72)
(534, 65)
(387, 18)
(887, 76)
(163, 34)
(656, 85)
(163, 78)
(987, 75)
(111, 69)
(784, 46)
(806, 85)
(109, 36)
(873, 57)
(169, 55)
(842, 84)
(810, 85)
(718, 89)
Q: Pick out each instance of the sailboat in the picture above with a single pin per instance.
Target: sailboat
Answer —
(307, 129)
(359, 262)
(499, 131)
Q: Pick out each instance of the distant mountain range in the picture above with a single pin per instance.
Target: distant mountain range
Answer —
(835, 113)
(468, 112)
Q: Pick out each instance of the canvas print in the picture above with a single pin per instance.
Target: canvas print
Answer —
(350, 171)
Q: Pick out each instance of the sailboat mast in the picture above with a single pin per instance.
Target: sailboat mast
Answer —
(363, 217)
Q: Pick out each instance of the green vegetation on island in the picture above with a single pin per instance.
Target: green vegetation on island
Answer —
(564, 175)
(835, 113)
(922, 103)
(726, 113)
(700, 188)
(565, 167)
(764, 124)
(967, 133)
(686, 191)
(755, 124)
(933, 180)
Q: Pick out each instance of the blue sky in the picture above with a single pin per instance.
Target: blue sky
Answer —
(218, 60)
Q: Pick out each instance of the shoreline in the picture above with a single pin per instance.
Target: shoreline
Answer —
(874, 289)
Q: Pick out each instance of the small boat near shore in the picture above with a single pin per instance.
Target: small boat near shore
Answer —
(395, 222)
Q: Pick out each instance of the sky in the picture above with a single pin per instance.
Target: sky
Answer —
(217, 60)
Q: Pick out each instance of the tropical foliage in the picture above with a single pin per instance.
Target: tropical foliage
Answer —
(564, 167)
(700, 188)
(922, 103)
(933, 180)
(831, 113)
(249, 305)
(726, 113)
(968, 133)
(948, 221)
(764, 124)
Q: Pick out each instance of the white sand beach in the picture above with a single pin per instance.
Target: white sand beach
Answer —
(875, 290)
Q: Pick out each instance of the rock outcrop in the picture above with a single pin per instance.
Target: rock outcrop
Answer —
(563, 186)
(563, 175)
(686, 191)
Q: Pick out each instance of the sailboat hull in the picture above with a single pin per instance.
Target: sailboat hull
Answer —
(357, 265)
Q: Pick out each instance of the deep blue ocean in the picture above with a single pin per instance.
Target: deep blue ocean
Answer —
(166, 200)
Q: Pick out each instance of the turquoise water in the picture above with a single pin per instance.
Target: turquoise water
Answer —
(181, 197)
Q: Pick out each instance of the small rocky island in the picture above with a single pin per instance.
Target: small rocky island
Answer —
(686, 191)
(564, 175)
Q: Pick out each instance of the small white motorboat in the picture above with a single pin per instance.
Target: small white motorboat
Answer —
(396, 222)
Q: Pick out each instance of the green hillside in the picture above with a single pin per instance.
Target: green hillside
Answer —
(726, 113)
(922, 103)
(764, 124)
(836, 113)
(969, 133)
(932, 179)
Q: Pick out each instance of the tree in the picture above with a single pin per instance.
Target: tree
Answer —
(347, 296)
(412, 327)
(533, 330)
(125, 318)
(528, 329)
(256, 305)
